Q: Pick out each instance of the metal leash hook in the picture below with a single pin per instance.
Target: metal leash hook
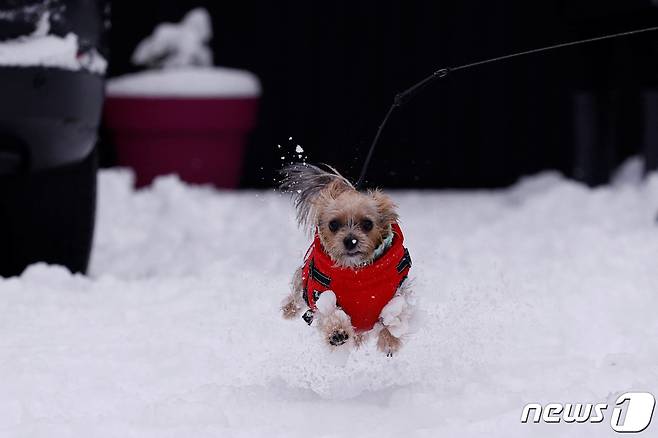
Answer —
(406, 95)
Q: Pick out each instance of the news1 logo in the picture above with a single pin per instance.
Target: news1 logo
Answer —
(632, 412)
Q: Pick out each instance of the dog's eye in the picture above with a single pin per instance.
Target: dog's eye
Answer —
(366, 225)
(334, 225)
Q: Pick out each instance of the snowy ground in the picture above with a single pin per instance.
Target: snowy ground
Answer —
(546, 292)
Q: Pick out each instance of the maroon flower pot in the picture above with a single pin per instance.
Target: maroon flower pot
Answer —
(200, 138)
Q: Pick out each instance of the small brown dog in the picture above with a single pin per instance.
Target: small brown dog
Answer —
(353, 281)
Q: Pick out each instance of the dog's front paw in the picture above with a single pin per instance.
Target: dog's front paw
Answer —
(387, 343)
(338, 337)
(290, 309)
(335, 326)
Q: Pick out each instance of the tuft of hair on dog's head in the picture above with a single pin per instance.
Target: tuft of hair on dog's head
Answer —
(351, 224)
(306, 183)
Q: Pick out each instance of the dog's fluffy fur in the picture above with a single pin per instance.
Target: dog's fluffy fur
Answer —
(352, 225)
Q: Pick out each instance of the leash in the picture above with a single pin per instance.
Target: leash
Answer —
(405, 96)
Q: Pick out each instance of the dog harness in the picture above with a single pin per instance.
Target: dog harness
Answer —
(361, 292)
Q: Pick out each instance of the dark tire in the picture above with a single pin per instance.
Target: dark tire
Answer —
(48, 217)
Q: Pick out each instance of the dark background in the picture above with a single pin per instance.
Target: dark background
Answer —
(329, 71)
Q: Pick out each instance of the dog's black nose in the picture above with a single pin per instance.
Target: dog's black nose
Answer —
(350, 242)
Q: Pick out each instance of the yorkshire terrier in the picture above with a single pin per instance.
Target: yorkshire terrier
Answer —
(353, 280)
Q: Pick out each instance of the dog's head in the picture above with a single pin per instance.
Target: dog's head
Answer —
(351, 224)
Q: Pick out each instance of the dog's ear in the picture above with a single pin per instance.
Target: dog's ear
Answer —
(385, 207)
(308, 184)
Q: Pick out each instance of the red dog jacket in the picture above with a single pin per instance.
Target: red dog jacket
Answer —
(361, 292)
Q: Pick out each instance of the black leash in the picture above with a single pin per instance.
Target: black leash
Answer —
(406, 95)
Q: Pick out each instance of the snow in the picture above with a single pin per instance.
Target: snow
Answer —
(183, 65)
(178, 45)
(395, 316)
(630, 172)
(326, 303)
(186, 82)
(545, 292)
(93, 61)
(45, 50)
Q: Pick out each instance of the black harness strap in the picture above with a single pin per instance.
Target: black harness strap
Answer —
(405, 261)
(318, 276)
